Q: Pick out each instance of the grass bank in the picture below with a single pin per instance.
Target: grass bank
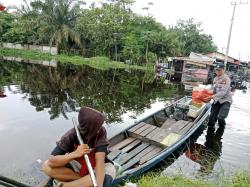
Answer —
(103, 63)
(241, 179)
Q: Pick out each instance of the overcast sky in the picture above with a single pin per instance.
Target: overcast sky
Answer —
(214, 14)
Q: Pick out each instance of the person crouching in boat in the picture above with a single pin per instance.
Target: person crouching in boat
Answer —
(222, 97)
(66, 163)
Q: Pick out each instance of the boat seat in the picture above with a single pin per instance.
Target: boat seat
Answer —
(144, 141)
(160, 137)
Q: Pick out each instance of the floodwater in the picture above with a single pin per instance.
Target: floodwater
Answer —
(219, 152)
(41, 101)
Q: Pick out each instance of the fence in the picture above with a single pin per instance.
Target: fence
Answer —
(43, 49)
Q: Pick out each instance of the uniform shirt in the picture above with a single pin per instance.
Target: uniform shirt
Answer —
(222, 89)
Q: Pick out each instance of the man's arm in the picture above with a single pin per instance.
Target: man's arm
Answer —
(60, 160)
(100, 164)
(223, 90)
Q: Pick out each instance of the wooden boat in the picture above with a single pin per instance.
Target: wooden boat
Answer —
(152, 139)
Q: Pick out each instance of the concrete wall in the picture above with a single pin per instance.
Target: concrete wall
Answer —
(43, 49)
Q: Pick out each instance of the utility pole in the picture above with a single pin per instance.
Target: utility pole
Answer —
(230, 30)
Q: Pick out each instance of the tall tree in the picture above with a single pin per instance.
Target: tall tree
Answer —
(6, 20)
(193, 37)
(56, 21)
(102, 27)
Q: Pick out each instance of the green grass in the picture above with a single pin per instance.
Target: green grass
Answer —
(241, 179)
(102, 63)
(174, 181)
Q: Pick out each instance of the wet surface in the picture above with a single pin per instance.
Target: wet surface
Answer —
(40, 102)
(219, 152)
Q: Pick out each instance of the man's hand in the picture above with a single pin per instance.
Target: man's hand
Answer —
(207, 99)
(81, 150)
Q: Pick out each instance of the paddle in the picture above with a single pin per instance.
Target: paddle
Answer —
(86, 158)
(10, 182)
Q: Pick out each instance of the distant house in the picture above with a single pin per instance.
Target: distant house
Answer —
(232, 63)
(194, 68)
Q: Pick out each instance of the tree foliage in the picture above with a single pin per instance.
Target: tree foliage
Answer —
(110, 29)
(193, 37)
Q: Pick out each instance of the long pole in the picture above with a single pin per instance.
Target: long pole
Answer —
(86, 158)
(230, 31)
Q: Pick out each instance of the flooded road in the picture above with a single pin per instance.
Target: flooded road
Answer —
(42, 100)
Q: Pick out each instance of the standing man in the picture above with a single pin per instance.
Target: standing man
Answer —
(222, 97)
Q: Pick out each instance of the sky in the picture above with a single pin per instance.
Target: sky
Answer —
(215, 16)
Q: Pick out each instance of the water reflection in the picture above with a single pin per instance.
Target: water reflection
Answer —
(206, 155)
(65, 88)
(51, 63)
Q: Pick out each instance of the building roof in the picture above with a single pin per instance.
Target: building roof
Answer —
(196, 58)
(221, 56)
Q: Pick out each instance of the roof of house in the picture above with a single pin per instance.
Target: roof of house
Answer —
(196, 58)
(234, 59)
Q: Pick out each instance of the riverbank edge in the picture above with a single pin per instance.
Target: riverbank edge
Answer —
(99, 62)
(239, 179)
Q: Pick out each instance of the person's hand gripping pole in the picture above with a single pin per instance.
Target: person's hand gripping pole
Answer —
(86, 158)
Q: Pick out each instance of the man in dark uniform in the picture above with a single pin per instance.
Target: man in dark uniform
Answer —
(222, 97)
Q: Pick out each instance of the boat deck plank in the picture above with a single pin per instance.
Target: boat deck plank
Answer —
(137, 158)
(154, 132)
(149, 130)
(186, 128)
(179, 125)
(149, 155)
(143, 128)
(112, 155)
(168, 123)
(130, 146)
(134, 128)
(123, 158)
(122, 144)
(161, 135)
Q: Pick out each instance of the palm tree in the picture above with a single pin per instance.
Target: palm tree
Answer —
(56, 20)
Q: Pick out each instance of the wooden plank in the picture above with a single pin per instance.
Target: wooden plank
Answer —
(154, 132)
(186, 128)
(149, 130)
(125, 157)
(116, 139)
(143, 128)
(112, 155)
(147, 140)
(168, 123)
(122, 144)
(179, 125)
(137, 158)
(150, 155)
(136, 127)
(161, 135)
(130, 146)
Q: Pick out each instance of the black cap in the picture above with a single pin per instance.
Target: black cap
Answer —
(219, 66)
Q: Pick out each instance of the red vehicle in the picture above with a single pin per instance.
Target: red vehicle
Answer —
(2, 8)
